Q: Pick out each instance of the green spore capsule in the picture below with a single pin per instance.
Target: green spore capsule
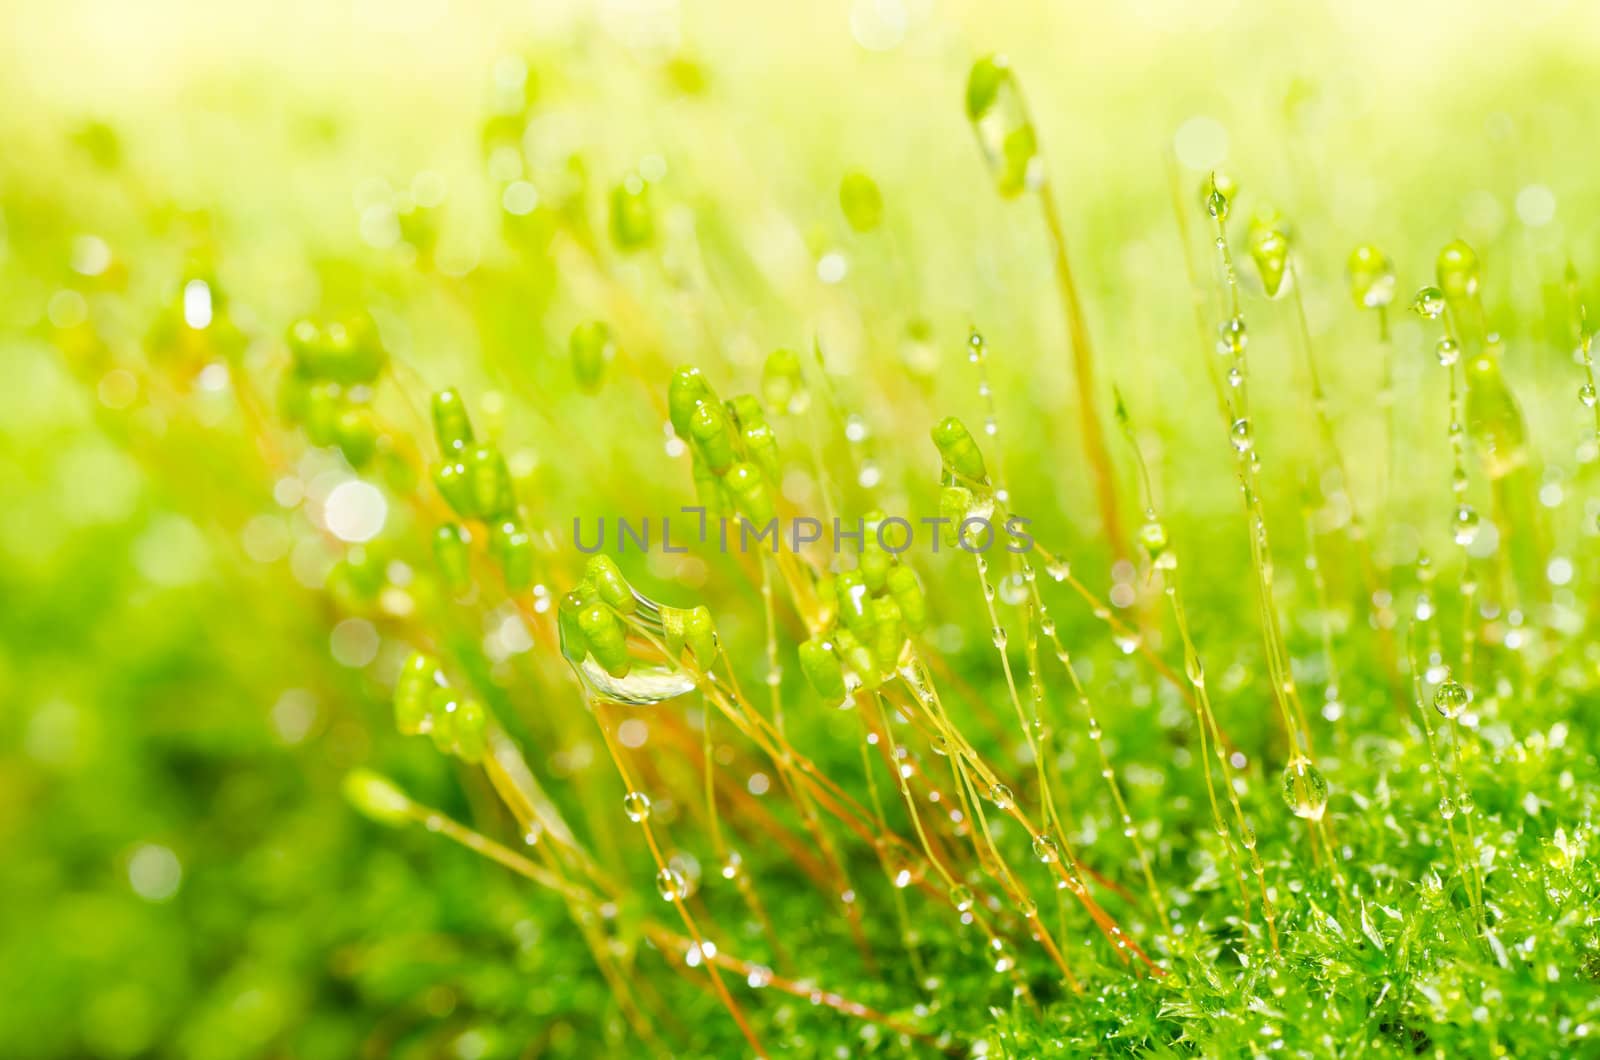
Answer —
(632, 224)
(708, 490)
(490, 479)
(451, 425)
(861, 201)
(954, 504)
(888, 630)
(959, 452)
(352, 353)
(692, 628)
(471, 731)
(1269, 249)
(1458, 271)
(377, 797)
(854, 599)
(442, 706)
(455, 487)
(874, 562)
(759, 441)
(857, 656)
(1371, 277)
(513, 547)
(1305, 789)
(1429, 303)
(1217, 195)
(606, 637)
(592, 349)
(783, 382)
(612, 587)
(749, 493)
(413, 691)
(685, 393)
(822, 669)
(574, 644)
(711, 436)
(324, 403)
(906, 589)
(451, 551)
(999, 117)
(356, 433)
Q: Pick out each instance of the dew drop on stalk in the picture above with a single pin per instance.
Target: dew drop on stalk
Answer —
(1586, 394)
(1429, 303)
(637, 806)
(1451, 698)
(1447, 808)
(1305, 789)
(961, 897)
(1013, 589)
(1045, 849)
(1232, 338)
(1059, 570)
(1239, 435)
(1448, 351)
(1027, 907)
(1001, 796)
(1465, 524)
(671, 886)
(1000, 637)
(1465, 804)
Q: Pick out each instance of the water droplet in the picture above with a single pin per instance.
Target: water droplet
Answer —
(1045, 849)
(1448, 351)
(671, 886)
(1465, 804)
(1447, 808)
(1060, 570)
(1465, 525)
(1001, 796)
(1586, 394)
(1451, 698)
(1013, 589)
(1000, 637)
(1429, 303)
(961, 897)
(1305, 789)
(1239, 435)
(733, 866)
(1232, 337)
(637, 806)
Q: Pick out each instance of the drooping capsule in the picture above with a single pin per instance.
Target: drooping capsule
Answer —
(632, 224)
(685, 392)
(857, 656)
(471, 731)
(355, 432)
(1458, 271)
(377, 797)
(861, 201)
(492, 493)
(413, 689)
(692, 628)
(611, 586)
(1371, 277)
(443, 702)
(710, 434)
(606, 637)
(451, 551)
(854, 599)
(512, 545)
(821, 667)
(1217, 195)
(751, 497)
(324, 402)
(888, 633)
(756, 434)
(874, 561)
(783, 382)
(574, 644)
(1269, 249)
(592, 348)
(1006, 136)
(451, 425)
(455, 487)
(907, 591)
(959, 452)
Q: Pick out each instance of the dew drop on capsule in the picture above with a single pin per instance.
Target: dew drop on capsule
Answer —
(1371, 276)
(1429, 303)
(1448, 351)
(1465, 525)
(1305, 789)
(637, 806)
(1450, 699)
(1217, 193)
(671, 886)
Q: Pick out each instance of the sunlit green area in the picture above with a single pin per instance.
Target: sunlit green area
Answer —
(334, 334)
